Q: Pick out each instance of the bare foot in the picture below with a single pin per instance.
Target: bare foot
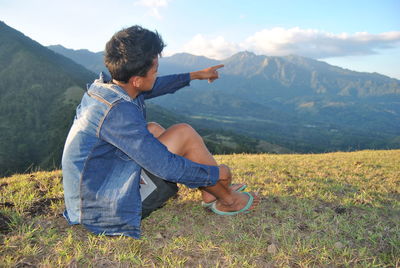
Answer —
(240, 201)
(208, 198)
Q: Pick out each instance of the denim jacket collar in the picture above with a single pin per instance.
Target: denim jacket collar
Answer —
(105, 81)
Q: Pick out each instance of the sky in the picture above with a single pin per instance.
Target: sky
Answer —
(353, 34)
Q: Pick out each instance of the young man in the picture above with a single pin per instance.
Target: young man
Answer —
(110, 142)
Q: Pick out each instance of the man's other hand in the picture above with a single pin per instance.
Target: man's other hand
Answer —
(209, 73)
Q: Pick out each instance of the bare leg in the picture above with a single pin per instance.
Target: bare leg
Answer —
(183, 140)
(203, 156)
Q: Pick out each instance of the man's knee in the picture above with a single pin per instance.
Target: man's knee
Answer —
(184, 127)
(186, 130)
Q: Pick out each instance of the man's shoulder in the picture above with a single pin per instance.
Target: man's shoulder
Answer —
(108, 93)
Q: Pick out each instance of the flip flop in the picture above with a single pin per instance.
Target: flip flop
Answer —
(231, 213)
(240, 189)
(208, 205)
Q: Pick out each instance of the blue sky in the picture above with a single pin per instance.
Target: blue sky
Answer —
(358, 35)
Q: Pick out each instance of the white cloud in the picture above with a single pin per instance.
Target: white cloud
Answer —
(217, 48)
(304, 42)
(153, 6)
(318, 44)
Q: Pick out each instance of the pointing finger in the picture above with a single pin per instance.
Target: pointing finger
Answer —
(217, 66)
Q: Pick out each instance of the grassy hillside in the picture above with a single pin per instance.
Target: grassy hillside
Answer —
(38, 97)
(330, 210)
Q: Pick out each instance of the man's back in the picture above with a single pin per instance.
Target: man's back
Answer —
(97, 175)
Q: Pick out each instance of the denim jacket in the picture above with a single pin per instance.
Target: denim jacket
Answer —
(106, 148)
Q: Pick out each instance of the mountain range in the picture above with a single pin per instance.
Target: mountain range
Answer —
(298, 103)
(259, 104)
(39, 92)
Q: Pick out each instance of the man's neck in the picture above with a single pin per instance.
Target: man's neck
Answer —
(129, 89)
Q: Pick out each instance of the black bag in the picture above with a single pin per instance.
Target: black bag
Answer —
(155, 192)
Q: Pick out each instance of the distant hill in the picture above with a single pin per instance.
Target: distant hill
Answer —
(217, 139)
(298, 103)
(295, 76)
(39, 91)
(90, 60)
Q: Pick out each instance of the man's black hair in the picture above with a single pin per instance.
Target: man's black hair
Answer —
(131, 51)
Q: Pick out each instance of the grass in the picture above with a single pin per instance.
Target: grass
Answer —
(329, 210)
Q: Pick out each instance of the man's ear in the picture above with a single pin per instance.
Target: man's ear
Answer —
(135, 81)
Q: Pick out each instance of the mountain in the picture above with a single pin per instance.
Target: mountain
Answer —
(290, 76)
(298, 77)
(217, 140)
(91, 61)
(298, 103)
(39, 91)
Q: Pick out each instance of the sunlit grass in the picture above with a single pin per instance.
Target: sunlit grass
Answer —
(337, 209)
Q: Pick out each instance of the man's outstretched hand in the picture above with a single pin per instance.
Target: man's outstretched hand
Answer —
(209, 73)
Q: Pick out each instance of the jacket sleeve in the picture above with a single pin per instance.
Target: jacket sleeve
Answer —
(168, 84)
(125, 128)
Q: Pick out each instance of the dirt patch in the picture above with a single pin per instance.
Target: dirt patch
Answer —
(7, 205)
(340, 210)
(4, 224)
(41, 206)
(3, 185)
(24, 264)
(303, 227)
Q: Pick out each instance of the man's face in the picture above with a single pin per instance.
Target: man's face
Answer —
(147, 81)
